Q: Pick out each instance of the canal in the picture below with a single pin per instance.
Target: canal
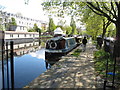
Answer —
(29, 63)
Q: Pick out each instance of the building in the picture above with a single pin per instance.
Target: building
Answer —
(23, 23)
(20, 30)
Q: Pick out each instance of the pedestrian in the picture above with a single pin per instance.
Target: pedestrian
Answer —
(84, 42)
(99, 42)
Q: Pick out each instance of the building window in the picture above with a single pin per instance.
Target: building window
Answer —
(18, 46)
(24, 35)
(11, 35)
(20, 28)
(30, 35)
(25, 45)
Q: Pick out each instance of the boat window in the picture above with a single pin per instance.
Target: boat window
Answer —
(71, 42)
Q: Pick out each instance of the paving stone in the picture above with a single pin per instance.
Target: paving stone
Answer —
(70, 72)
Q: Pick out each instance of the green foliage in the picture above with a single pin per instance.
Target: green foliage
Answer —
(100, 58)
(52, 26)
(46, 36)
(60, 27)
(73, 25)
(76, 53)
(93, 23)
(13, 22)
(31, 30)
(35, 29)
(1, 27)
(100, 53)
(68, 29)
(111, 31)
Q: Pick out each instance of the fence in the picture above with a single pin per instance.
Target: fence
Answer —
(109, 45)
(8, 74)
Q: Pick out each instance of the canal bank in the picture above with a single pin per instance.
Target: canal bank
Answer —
(70, 72)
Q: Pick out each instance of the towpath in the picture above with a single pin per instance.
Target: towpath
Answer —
(70, 72)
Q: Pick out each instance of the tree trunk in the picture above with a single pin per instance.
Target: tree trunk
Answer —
(104, 30)
(117, 40)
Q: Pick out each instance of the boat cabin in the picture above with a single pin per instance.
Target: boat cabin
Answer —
(59, 46)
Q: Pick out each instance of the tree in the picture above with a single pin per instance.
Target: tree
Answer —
(76, 9)
(68, 29)
(110, 10)
(61, 24)
(12, 25)
(106, 23)
(94, 26)
(111, 30)
(35, 29)
(73, 25)
(1, 26)
(13, 22)
(97, 23)
(93, 23)
(31, 30)
(52, 26)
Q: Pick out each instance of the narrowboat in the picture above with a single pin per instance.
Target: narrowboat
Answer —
(59, 46)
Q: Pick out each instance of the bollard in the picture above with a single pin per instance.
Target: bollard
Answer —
(12, 65)
(7, 65)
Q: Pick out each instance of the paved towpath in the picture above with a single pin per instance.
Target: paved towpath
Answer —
(69, 72)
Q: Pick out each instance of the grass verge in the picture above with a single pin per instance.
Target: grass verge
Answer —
(100, 59)
(76, 53)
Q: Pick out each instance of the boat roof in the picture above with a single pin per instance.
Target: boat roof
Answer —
(58, 31)
(60, 38)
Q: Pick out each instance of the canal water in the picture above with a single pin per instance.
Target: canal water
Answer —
(29, 63)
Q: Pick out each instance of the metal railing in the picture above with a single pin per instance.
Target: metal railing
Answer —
(110, 46)
(8, 79)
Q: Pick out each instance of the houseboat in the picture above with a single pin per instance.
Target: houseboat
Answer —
(59, 46)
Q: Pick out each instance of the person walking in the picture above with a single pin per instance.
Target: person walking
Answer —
(99, 42)
(84, 42)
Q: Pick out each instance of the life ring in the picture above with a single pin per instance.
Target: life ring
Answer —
(53, 44)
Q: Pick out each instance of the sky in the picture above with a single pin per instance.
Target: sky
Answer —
(32, 10)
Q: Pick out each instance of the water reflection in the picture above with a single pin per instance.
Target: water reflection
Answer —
(29, 62)
(52, 61)
(28, 67)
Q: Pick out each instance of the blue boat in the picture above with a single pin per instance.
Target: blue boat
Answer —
(59, 46)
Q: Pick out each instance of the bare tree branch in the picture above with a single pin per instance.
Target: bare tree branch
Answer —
(99, 10)
(104, 5)
(117, 4)
(95, 11)
(98, 4)
(108, 23)
(113, 8)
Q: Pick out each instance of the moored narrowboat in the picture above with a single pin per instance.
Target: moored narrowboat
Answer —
(59, 46)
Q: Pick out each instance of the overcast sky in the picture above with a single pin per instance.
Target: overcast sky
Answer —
(32, 10)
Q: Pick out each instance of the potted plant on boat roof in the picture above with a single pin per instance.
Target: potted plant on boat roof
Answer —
(12, 24)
